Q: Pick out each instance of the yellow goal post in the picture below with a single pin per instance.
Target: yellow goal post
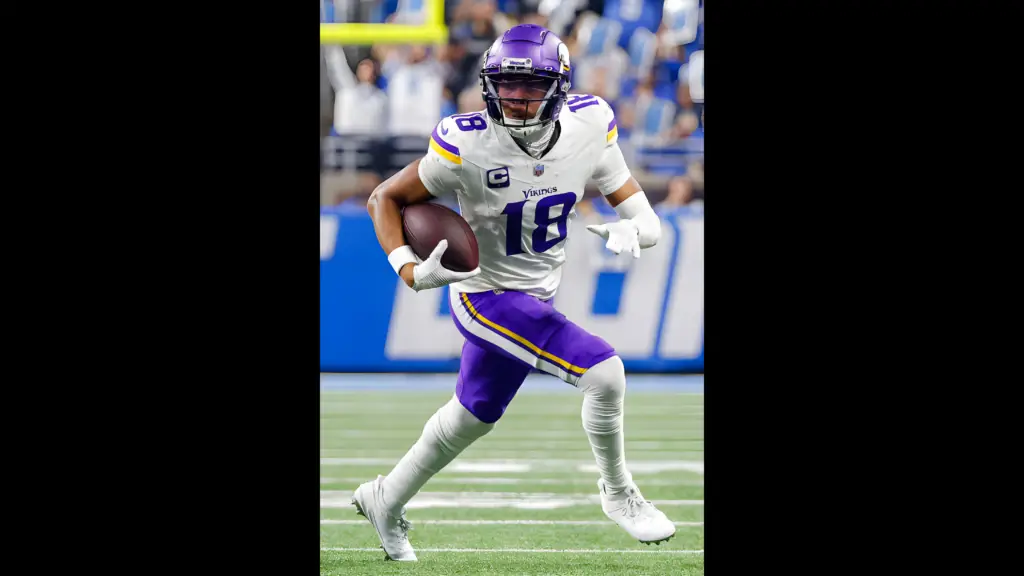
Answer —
(432, 31)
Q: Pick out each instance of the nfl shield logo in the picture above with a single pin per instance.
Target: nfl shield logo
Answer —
(538, 169)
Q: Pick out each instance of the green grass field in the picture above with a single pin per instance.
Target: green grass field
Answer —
(523, 499)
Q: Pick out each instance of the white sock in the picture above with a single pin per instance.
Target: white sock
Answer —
(604, 386)
(448, 432)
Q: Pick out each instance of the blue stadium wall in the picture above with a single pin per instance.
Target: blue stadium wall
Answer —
(651, 310)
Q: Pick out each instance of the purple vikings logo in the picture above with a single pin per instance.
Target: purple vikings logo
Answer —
(538, 169)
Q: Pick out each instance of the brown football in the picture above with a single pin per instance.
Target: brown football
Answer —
(428, 223)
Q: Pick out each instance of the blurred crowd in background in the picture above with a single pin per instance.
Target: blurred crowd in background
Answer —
(380, 103)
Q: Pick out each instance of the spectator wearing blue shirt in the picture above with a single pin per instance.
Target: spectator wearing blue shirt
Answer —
(633, 14)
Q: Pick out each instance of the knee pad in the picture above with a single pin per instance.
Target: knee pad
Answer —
(456, 427)
(605, 380)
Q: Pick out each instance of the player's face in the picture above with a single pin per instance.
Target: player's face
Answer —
(520, 99)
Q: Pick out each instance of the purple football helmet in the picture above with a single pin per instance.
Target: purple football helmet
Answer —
(526, 64)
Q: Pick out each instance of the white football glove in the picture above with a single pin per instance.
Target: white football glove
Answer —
(622, 235)
(430, 273)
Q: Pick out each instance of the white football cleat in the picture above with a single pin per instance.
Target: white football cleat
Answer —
(393, 532)
(636, 515)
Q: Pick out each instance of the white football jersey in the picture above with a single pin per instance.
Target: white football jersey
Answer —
(519, 207)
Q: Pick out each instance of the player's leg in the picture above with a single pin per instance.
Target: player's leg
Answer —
(487, 382)
(537, 334)
(534, 332)
(604, 386)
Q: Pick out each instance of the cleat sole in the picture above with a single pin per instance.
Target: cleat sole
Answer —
(658, 542)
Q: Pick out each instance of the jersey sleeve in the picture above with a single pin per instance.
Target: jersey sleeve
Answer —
(611, 130)
(441, 167)
(610, 172)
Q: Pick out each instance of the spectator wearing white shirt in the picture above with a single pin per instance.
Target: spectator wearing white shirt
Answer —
(360, 110)
(415, 94)
(360, 107)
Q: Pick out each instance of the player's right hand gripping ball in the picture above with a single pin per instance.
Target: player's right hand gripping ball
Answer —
(430, 273)
(429, 228)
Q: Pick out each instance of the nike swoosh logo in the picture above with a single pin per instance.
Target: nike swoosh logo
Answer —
(444, 131)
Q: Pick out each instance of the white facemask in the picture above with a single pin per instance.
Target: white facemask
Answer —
(534, 138)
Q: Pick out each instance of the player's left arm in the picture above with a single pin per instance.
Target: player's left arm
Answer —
(638, 226)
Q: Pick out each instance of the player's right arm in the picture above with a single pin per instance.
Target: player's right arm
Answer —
(420, 181)
(385, 208)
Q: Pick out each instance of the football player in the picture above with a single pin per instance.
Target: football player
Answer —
(516, 170)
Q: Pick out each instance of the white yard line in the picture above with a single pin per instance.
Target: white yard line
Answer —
(653, 467)
(523, 550)
(559, 457)
(502, 480)
(529, 465)
(513, 437)
(608, 523)
(517, 500)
